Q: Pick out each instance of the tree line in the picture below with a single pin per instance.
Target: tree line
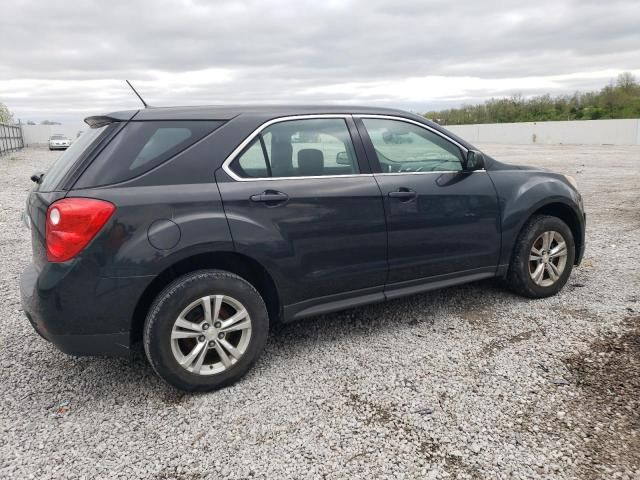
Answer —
(6, 116)
(619, 99)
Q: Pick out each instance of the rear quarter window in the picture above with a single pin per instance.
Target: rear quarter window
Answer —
(141, 146)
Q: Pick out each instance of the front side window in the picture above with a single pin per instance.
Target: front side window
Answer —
(405, 147)
(299, 148)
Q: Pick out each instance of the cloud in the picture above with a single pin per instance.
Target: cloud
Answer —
(64, 60)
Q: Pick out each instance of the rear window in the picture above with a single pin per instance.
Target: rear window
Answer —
(57, 171)
(141, 146)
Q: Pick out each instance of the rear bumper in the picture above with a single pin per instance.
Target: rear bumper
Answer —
(79, 314)
(100, 345)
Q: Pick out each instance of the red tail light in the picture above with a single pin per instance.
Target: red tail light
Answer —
(71, 225)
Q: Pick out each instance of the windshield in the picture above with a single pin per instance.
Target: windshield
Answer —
(63, 164)
(57, 137)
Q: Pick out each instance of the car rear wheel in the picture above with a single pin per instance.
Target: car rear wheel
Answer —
(543, 258)
(205, 330)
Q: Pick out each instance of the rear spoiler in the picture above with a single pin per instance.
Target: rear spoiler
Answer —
(98, 121)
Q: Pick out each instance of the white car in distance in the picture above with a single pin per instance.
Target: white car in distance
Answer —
(59, 142)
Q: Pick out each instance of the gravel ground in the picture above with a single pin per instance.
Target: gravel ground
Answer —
(468, 382)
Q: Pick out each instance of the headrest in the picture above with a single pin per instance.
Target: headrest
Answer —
(281, 158)
(310, 162)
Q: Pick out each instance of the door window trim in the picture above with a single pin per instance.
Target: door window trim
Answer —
(368, 141)
(226, 165)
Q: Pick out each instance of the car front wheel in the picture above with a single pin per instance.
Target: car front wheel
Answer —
(543, 257)
(205, 330)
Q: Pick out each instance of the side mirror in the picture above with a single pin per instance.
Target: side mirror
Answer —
(343, 159)
(474, 160)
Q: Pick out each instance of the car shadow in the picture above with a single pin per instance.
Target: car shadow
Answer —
(119, 382)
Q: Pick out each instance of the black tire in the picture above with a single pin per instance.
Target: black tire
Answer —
(518, 278)
(174, 299)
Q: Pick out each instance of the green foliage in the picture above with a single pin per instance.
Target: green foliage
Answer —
(5, 115)
(617, 100)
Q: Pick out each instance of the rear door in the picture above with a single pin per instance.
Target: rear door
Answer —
(300, 199)
(443, 221)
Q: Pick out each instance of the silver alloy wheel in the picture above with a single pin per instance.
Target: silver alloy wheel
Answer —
(211, 334)
(548, 258)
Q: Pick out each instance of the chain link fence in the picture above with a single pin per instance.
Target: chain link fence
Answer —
(10, 138)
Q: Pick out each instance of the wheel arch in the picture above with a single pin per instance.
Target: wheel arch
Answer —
(565, 212)
(569, 216)
(243, 266)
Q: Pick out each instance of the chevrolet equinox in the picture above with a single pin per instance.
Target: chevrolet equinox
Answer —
(192, 229)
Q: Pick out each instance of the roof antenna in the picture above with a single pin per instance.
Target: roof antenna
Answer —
(135, 91)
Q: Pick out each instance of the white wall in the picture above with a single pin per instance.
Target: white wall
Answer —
(585, 132)
(39, 134)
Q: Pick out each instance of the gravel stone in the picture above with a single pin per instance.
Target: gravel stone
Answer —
(341, 396)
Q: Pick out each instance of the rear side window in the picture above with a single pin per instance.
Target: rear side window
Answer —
(141, 146)
(299, 148)
(52, 179)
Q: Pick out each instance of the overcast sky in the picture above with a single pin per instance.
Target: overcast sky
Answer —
(63, 60)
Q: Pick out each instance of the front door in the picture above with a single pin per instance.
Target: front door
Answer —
(299, 201)
(442, 221)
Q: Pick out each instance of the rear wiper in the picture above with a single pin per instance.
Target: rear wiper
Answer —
(37, 177)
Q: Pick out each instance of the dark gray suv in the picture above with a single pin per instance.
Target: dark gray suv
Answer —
(193, 229)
